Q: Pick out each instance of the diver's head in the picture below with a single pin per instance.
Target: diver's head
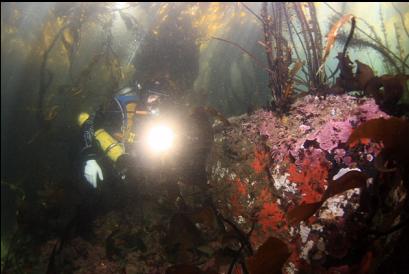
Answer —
(155, 92)
(126, 91)
(133, 92)
(127, 95)
(150, 95)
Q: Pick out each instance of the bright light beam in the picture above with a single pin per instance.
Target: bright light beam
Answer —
(121, 5)
(160, 138)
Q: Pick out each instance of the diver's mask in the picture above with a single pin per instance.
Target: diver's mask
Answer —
(152, 104)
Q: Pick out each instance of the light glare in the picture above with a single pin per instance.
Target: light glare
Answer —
(160, 138)
(121, 5)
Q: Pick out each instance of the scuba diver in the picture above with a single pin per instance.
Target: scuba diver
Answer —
(135, 151)
(113, 130)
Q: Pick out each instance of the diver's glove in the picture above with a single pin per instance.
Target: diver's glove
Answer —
(91, 171)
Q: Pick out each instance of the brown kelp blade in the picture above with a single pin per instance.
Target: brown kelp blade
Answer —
(289, 86)
(332, 35)
(269, 258)
(350, 180)
(387, 89)
(364, 74)
(302, 212)
(393, 132)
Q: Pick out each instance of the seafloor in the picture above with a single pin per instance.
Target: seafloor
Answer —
(260, 167)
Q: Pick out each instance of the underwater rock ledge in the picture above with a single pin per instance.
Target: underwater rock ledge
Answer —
(260, 169)
(272, 164)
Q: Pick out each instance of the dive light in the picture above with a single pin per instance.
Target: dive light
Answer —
(160, 138)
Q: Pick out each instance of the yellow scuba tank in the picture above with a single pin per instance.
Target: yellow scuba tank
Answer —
(112, 148)
(129, 134)
(82, 118)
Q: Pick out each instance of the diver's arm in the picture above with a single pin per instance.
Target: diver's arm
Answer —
(97, 142)
(90, 124)
(89, 151)
(89, 147)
